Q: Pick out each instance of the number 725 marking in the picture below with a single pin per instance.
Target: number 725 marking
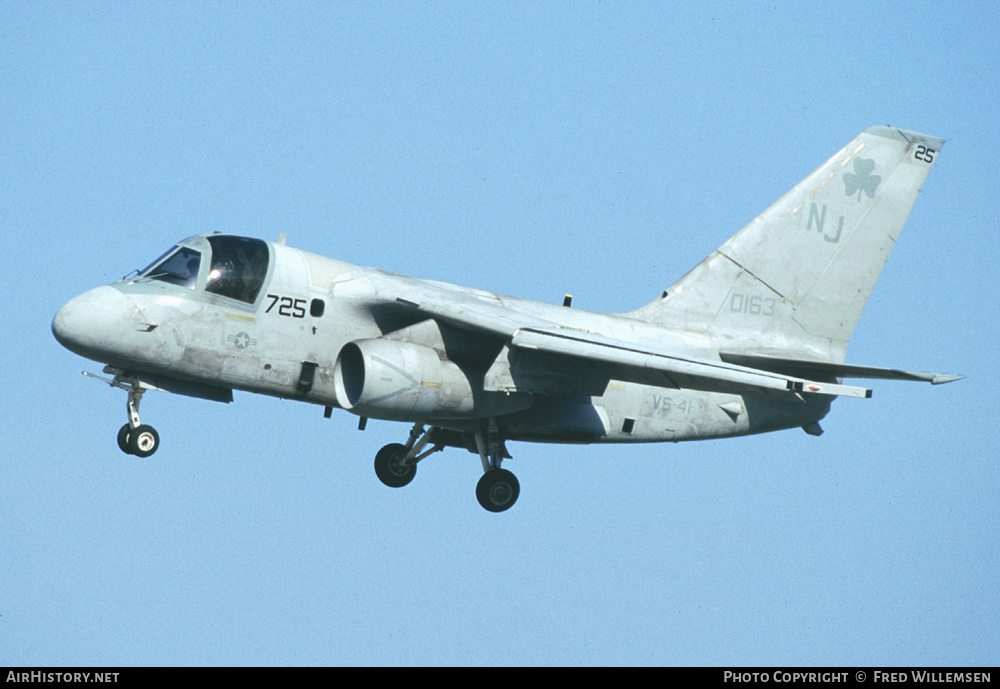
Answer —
(294, 308)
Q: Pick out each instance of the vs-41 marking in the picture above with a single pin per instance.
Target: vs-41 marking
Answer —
(663, 405)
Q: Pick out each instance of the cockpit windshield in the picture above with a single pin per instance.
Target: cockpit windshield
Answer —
(179, 266)
(239, 267)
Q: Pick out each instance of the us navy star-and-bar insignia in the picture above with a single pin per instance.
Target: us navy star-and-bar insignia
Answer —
(242, 340)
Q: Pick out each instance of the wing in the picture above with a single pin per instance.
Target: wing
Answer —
(466, 309)
(538, 349)
(653, 366)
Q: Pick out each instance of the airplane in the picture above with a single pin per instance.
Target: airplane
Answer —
(752, 340)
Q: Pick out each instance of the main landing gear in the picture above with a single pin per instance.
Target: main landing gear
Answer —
(135, 437)
(497, 490)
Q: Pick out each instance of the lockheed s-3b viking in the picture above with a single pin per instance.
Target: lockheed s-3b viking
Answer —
(753, 339)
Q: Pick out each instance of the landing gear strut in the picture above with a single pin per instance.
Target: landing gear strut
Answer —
(134, 438)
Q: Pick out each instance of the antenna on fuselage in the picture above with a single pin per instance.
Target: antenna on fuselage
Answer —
(282, 238)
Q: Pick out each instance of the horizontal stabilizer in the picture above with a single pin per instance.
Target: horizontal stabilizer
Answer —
(826, 370)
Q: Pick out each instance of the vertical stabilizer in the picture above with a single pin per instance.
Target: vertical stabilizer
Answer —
(798, 275)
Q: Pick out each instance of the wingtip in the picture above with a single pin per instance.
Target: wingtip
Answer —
(942, 378)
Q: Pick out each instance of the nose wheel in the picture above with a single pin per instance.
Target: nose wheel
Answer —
(141, 441)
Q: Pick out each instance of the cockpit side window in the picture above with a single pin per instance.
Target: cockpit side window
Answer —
(179, 266)
(239, 266)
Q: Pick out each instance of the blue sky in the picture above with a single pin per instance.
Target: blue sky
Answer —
(534, 149)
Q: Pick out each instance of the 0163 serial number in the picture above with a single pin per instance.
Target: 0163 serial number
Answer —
(754, 305)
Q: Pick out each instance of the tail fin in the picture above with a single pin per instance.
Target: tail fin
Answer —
(798, 275)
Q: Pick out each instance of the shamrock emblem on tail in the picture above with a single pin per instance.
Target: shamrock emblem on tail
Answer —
(862, 179)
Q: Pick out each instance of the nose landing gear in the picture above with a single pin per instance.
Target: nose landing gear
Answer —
(135, 437)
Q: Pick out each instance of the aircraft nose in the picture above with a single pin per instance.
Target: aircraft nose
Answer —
(91, 323)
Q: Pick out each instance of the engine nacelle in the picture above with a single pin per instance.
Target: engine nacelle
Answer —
(401, 381)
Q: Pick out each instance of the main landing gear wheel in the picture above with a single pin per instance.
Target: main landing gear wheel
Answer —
(390, 469)
(497, 490)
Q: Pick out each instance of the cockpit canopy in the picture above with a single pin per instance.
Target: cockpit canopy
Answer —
(237, 266)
